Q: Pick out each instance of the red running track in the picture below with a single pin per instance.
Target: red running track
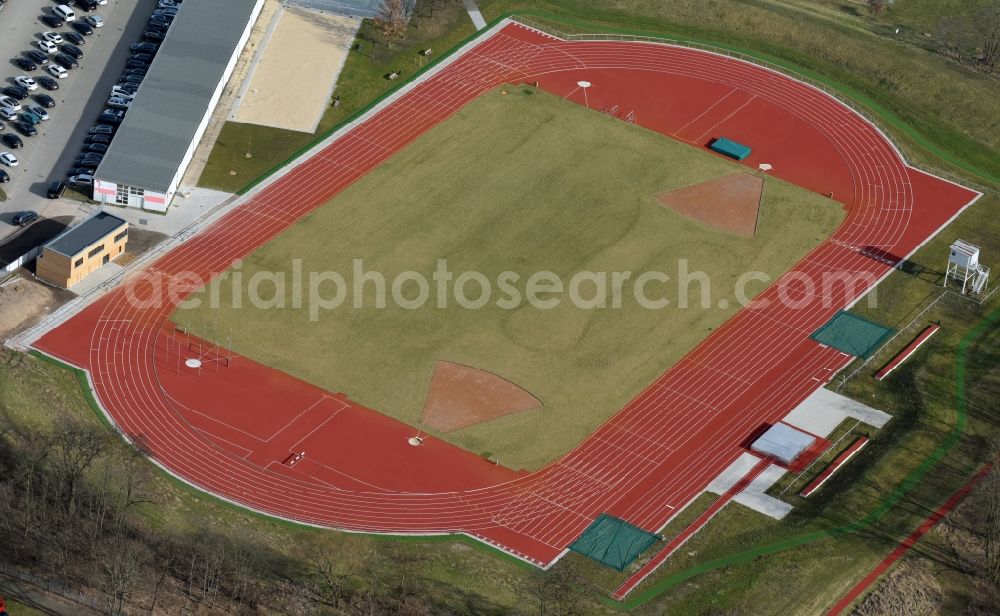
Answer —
(651, 458)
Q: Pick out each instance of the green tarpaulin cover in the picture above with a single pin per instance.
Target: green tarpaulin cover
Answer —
(613, 542)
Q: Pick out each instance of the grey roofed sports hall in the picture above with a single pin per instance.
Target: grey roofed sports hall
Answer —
(173, 99)
(783, 442)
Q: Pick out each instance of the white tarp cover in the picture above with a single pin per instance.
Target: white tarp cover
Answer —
(783, 442)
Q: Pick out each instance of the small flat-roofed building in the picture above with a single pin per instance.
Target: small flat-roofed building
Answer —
(171, 109)
(82, 249)
(783, 442)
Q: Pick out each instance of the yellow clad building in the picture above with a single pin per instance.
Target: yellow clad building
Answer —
(81, 250)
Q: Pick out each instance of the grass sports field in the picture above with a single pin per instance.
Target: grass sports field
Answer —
(522, 183)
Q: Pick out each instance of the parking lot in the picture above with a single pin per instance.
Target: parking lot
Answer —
(79, 100)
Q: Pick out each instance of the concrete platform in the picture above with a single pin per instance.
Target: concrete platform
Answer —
(824, 410)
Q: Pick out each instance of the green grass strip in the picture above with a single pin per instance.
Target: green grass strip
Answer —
(890, 501)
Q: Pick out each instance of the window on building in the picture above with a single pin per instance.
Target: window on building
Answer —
(78, 262)
(93, 253)
(121, 235)
(121, 194)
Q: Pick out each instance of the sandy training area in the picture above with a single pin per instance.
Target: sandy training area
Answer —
(729, 203)
(291, 84)
(462, 396)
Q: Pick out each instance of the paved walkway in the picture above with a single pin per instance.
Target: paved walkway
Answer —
(474, 14)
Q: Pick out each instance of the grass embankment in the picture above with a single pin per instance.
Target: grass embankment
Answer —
(542, 185)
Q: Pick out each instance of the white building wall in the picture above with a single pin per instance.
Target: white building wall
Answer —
(105, 192)
(203, 125)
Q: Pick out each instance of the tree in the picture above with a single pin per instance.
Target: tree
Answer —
(878, 7)
(78, 446)
(391, 20)
(989, 36)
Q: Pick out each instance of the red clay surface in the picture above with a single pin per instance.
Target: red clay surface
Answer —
(728, 203)
(910, 349)
(844, 457)
(461, 396)
(228, 430)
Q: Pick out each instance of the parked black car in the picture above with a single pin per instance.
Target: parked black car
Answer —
(74, 38)
(25, 64)
(45, 101)
(55, 190)
(4, 177)
(153, 36)
(144, 47)
(136, 64)
(82, 27)
(47, 82)
(15, 92)
(26, 129)
(23, 219)
(53, 21)
(101, 129)
(105, 139)
(87, 5)
(36, 56)
(107, 118)
(71, 50)
(65, 61)
(144, 57)
(11, 141)
(100, 148)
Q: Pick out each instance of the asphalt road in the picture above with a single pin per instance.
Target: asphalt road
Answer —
(79, 100)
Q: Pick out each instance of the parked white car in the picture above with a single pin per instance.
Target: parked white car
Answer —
(64, 12)
(56, 71)
(7, 113)
(8, 159)
(119, 102)
(7, 101)
(46, 47)
(52, 37)
(26, 82)
(81, 180)
(95, 20)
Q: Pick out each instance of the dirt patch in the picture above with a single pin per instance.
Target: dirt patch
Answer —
(461, 396)
(24, 301)
(729, 203)
(288, 89)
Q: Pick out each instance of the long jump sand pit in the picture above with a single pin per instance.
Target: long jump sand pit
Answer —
(291, 84)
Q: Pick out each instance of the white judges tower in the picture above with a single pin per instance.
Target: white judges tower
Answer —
(963, 265)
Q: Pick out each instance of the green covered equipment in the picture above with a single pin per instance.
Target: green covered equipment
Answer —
(613, 542)
(730, 148)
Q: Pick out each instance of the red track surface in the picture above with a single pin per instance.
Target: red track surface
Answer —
(227, 431)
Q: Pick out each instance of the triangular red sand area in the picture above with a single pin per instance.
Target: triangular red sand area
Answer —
(728, 203)
(461, 396)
